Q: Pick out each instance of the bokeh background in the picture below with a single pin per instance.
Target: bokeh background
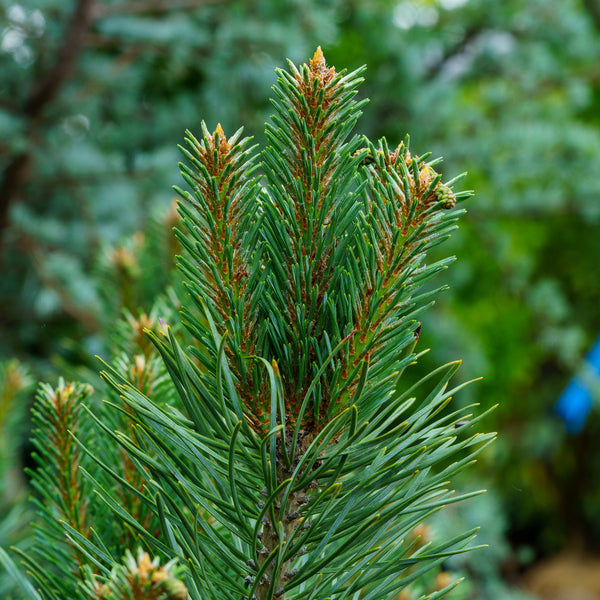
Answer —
(95, 95)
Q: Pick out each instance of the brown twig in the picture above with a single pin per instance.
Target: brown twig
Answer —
(15, 175)
(47, 86)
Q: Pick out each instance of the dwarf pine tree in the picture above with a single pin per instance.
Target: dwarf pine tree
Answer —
(271, 449)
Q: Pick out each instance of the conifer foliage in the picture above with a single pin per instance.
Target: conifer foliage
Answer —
(282, 454)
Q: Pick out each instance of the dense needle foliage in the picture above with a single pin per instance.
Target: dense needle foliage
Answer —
(278, 452)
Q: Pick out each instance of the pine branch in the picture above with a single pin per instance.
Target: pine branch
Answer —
(221, 219)
(311, 172)
(223, 190)
(404, 215)
(62, 493)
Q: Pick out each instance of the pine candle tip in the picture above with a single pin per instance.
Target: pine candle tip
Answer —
(219, 131)
(318, 60)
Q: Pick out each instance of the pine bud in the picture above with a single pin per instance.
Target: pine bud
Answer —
(445, 195)
(442, 580)
(175, 589)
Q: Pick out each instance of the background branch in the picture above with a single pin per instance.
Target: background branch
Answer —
(47, 86)
(43, 91)
(457, 48)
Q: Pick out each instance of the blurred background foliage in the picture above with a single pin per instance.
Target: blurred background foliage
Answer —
(96, 95)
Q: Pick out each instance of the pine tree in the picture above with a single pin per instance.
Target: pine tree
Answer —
(278, 453)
